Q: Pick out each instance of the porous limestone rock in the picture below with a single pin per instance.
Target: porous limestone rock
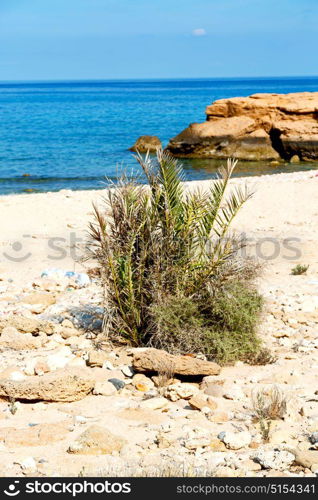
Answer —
(155, 360)
(258, 127)
(69, 384)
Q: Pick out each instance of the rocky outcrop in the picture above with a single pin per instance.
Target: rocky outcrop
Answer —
(146, 143)
(258, 127)
(155, 360)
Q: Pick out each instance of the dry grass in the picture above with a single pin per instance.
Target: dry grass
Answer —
(268, 404)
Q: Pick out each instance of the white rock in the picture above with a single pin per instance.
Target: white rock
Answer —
(274, 459)
(128, 371)
(29, 367)
(235, 440)
(154, 403)
(180, 391)
(60, 358)
(17, 376)
(104, 389)
(108, 365)
(28, 464)
(233, 392)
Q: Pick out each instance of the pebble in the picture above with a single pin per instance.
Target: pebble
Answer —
(118, 384)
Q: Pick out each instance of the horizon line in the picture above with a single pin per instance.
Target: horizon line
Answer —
(98, 80)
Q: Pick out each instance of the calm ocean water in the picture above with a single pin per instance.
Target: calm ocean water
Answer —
(71, 135)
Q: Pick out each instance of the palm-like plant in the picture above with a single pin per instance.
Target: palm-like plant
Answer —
(163, 240)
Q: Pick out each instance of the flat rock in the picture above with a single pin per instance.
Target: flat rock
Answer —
(306, 458)
(97, 440)
(27, 325)
(153, 360)
(258, 127)
(12, 339)
(71, 384)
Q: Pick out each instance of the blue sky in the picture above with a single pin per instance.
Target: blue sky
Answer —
(110, 39)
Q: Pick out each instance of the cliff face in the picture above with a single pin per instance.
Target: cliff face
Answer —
(258, 127)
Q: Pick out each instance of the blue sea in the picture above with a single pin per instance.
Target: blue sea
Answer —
(72, 135)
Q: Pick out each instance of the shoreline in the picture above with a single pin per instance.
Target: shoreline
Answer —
(46, 230)
(239, 179)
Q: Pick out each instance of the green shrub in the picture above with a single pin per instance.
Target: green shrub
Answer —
(299, 269)
(170, 268)
(222, 327)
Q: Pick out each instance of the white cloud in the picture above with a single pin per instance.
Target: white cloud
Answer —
(199, 32)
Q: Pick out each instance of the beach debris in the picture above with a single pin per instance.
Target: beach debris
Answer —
(80, 279)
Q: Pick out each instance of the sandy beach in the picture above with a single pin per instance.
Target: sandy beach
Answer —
(48, 230)
(46, 333)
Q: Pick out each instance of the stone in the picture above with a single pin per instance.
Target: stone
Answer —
(97, 440)
(59, 359)
(104, 389)
(128, 371)
(313, 438)
(142, 383)
(274, 459)
(117, 383)
(12, 339)
(156, 403)
(152, 360)
(233, 392)
(259, 127)
(219, 417)
(97, 358)
(69, 384)
(43, 298)
(215, 390)
(180, 391)
(146, 143)
(200, 401)
(28, 325)
(28, 464)
(41, 367)
(305, 458)
(67, 332)
(235, 440)
(217, 445)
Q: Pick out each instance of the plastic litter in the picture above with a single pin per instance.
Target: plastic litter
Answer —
(81, 279)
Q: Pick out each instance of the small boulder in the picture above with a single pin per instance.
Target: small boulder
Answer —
(152, 360)
(175, 392)
(200, 401)
(274, 459)
(235, 440)
(104, 389)
(70, 384)
(146, 143)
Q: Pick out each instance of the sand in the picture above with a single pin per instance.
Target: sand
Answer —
(40, 231)
(283, 206)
